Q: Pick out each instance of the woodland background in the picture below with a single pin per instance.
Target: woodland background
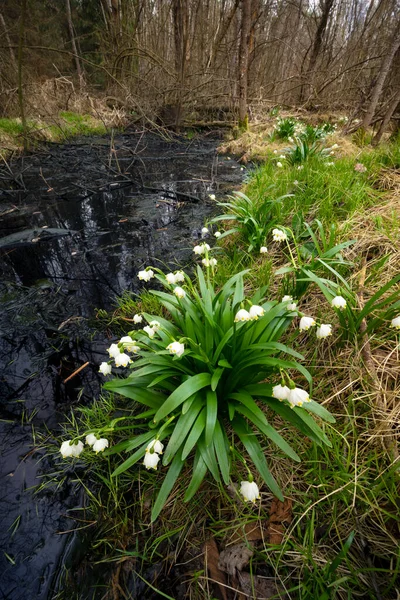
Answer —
(201, 59)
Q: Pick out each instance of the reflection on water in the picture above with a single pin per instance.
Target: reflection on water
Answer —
(145, 208)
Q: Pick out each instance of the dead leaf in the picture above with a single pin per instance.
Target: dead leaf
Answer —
(235, 558)
(212, 562)
(257, 587)
(279, 514)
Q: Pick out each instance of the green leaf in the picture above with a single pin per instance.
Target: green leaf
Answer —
(208, 455)
(215, 378)
(195, 433)
(269, 432)
(211, 418)
(143, 396)
(182, 428)
(168, 484)
(319, 410)
(186, 389)
(129, 462)
(252, 445)
(224, 363)
(199, 471)
(221, 447)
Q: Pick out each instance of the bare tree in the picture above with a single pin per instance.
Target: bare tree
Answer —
(245, 28)
(79, 69)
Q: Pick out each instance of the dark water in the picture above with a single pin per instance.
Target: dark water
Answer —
(76, 224)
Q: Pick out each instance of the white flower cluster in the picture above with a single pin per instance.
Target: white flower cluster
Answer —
(251, 315)
(152, 455)
(291, 306)
(209, 262)
(279, 236)
(201, 249)
(74, 449)
(146, 275)
(295, 396)
(173, 278)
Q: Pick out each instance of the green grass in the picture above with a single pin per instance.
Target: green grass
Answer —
(342, 539)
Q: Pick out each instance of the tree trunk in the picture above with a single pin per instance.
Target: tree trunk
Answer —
(388, 115)
(307, 89)
(180, 12)
(12, 55)
(376, 92)
(20, 90)
(73, 43)
(245, 28)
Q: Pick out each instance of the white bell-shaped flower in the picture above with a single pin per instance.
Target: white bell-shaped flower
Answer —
(100, 445)
(150, 331)
(146, 275)
(151, 460)
(176, 348)
(298, 396)
(217, 234)
(156, 446)
(105, 368)
(306, 323)
(156, 325)
(263, 250)
(249, 491)
(113, 350)
(395, 322)
(90, 439)
(170, 277)
(204, 231)
(179, 277)
(280, 392)
(323, 331)
(339, 302)
(137, 319)
(242, 315)
(122, 360)
(179, 292)
(278, 235)
(67, 449)
(256, 311)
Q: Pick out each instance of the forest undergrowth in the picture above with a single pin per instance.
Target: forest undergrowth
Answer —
(315, 232)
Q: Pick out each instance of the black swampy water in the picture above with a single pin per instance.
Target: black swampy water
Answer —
(77, 221)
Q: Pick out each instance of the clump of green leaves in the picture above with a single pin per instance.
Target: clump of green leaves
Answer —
(253, 219)
(204, 400)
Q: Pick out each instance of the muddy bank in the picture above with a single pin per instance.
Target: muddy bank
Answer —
(77, 222)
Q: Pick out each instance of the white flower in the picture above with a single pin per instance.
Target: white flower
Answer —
(113, 350)
(297, 396)
(249, 491)
(290, 139)
(100, 445)
(176, 348)
(179, 277)
(306, 323)
(211, 196)
(280, 392)
(204, 231)
(209, 262)
(295, 182)
(339, 302)
(278, 235)
(256, 311)
(146, 275)
(179, 292)
(335, 146)
(137, 319)
(105, 368)
(329, 164)
(156, 446)
(323, 331)
(217, 234)
(242, 315)
(291, 305)
(122, 360)
(90, 439)
(300, 167)
(151, 460)
(263, 250)
(275, 151)
(202, 249)
(155, 325)
(170, 277)
(282, 156)
(395, 322)
(150, 331)
(128, 343)
(279, 164)
(71, 450)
